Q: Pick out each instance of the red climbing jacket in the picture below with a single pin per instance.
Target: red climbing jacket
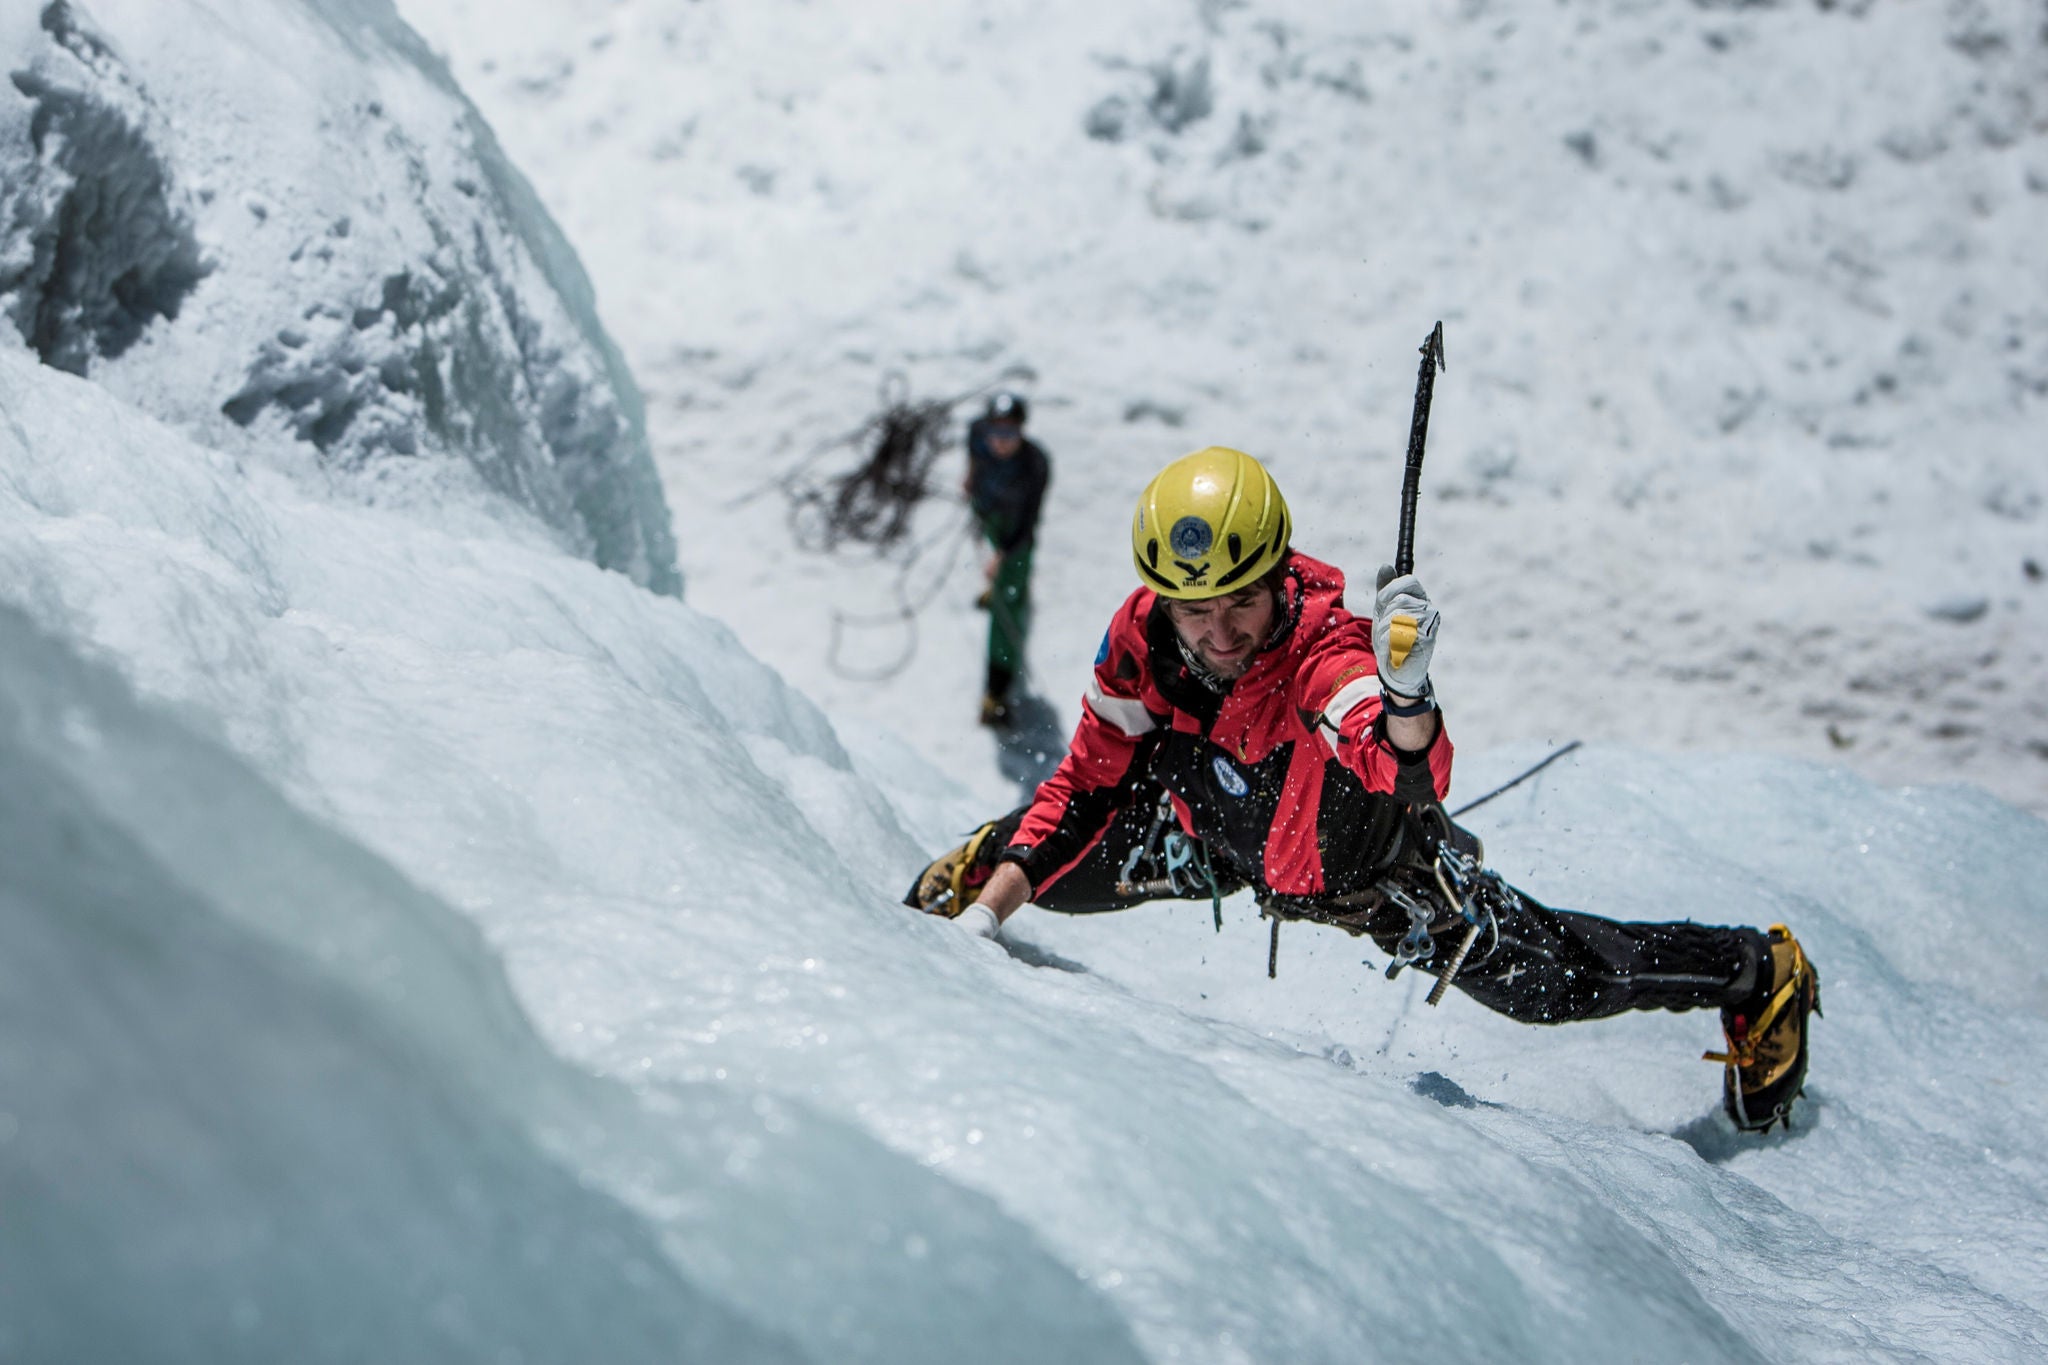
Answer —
(1286, 774)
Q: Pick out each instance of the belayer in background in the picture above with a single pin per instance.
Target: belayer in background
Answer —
(1006, 478)
(1243, 729)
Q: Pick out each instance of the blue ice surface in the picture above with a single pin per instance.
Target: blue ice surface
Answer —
(417, 942)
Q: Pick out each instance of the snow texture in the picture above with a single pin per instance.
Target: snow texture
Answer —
(1744, 305)
(418, 943)
(266, 1085)
(286, 220)
(268, 1095)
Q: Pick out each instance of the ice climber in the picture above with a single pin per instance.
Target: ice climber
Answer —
(1007, 474)
(1243, 729)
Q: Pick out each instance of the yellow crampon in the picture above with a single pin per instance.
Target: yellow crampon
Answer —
(1766, 1056)
(1742, 1051)
(943, 889)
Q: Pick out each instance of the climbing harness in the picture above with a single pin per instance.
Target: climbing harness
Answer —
(1480, 897)
(1183, 864)
(1443, 877)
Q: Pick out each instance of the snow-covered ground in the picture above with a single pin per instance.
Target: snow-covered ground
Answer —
(1745, 308)
(418, 942)
(268, 1091)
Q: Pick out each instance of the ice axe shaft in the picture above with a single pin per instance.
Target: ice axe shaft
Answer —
(1418, 437)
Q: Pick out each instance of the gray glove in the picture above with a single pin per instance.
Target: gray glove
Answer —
(1403, 633)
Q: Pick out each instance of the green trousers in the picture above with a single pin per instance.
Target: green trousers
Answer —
(1009, 616)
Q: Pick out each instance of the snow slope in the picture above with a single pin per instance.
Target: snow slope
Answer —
(1744, 310)
(269, 1093)
(420, 942)
(842, 1124)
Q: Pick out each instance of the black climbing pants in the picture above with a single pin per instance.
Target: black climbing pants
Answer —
(1546, 966)
(1533, 963)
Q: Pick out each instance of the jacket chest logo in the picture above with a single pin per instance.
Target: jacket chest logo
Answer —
(1229, 778)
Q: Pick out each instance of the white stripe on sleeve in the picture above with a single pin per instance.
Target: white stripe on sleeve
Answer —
(1347, 699)
(1127, 714)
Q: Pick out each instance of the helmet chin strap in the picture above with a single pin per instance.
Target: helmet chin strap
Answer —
(1202, 673)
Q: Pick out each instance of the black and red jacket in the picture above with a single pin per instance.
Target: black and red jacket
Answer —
(1286, 775)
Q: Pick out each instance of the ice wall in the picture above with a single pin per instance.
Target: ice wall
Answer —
(282, 1111)
(282, 227)
(265, 1097)
(856, 1130)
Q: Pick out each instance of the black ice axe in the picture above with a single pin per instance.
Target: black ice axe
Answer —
(1404, 563)
(1418, 436)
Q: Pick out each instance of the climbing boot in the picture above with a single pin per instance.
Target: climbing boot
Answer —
(1766, 1056)
(956, 877)
(995, 712)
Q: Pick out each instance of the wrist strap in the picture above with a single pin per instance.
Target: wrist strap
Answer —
(1392, 703)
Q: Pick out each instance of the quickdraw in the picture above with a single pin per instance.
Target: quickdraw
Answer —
(1480, 897)
(1183, 863)
(1415, 946)
(1472, 891)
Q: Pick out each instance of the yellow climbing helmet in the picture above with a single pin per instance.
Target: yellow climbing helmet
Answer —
(1208, 524)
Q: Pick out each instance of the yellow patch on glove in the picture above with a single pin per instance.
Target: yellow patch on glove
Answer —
(1400, 639)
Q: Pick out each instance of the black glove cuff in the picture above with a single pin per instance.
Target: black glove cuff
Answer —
(1394, 704)
(1025, 857)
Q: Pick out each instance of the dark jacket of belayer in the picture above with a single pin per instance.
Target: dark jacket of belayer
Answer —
(1287, 776)
(1006, 495)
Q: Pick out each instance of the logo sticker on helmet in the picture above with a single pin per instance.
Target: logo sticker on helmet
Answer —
(1191, 538)
(1230, 779)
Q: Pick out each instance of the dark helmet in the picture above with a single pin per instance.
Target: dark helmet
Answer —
(1007, 407)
